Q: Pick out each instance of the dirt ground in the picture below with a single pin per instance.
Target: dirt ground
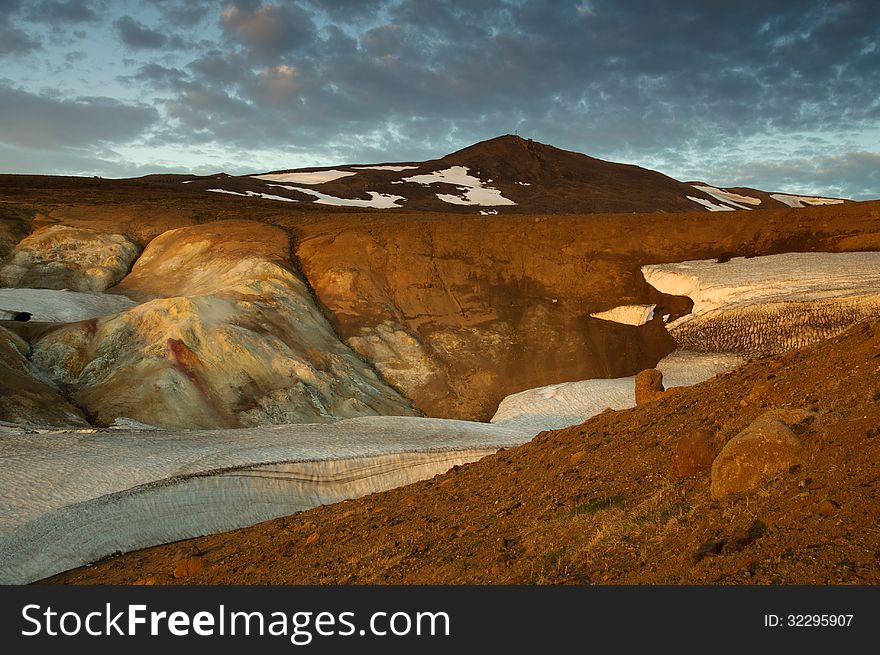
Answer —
(603, 502)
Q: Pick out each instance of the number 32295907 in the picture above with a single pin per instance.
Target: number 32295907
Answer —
(808, 620)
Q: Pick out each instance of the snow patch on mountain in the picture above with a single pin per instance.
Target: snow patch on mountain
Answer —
(472, 189)
(383, 167)
(734, 199)
(801, 201)
(376, 201)
(561, 405)
(711, 206)
(253, 194)
(306, 177)
(53, 306)
(747, 281)
(131, 489)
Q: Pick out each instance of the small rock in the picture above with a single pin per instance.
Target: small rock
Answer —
(711, 547)
(828, 507)
(649, 386)
(578, 457)
(312, 538)
(693, 453)
(187, 567)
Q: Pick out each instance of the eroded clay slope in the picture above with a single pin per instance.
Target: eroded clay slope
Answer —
(227, 336)
(459, 316)
(25, 399)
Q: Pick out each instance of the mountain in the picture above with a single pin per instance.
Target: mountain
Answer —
(507, 174)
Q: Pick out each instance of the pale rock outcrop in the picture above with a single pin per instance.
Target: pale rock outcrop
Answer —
(26, 399)
(61, 257)
(231, 337)
(766, 448)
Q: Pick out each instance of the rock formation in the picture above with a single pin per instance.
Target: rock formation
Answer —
(25, 399)
(62, 257)
(649, 386)
(227, 336)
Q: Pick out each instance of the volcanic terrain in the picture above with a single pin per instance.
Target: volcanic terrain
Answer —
(357, 308)
(630, 496)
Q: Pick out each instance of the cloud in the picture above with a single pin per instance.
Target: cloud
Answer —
(62, 11)
(186, 13)
(138, 36)
(854, 175)
(40, 121)
(14, 41)
(696, 88)
(279, 83)
(348, 11)
(268, 31)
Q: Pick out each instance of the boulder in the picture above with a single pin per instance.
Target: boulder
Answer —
(766, 448)
(649, 386)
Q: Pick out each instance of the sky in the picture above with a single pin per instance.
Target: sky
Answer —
(782, 95)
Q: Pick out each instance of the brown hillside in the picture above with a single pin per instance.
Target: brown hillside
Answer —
(539, 178)
(603, 502)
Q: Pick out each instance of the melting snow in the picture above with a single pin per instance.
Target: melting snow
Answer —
(627, 314)
(734, 199)
(254, 194)
(473, 191)
(376, 201)
(711, 206)
(790, 277)
(569, 403)
(383, 168)
(306, 177)
(128, 489)
(54, 306)
(800, 201)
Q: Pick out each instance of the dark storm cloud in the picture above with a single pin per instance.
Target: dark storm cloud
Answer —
(43, 122)
(731, 69)
(14, 40)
